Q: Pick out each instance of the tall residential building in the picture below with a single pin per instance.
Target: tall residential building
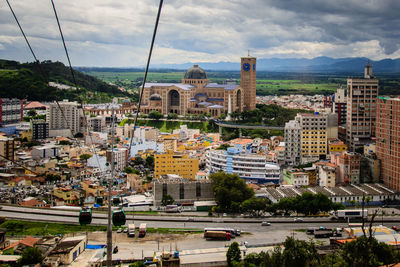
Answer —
(361, 109)
(40, 129)
(11, 111)
(96, 124)
(248, 82)
(61, 120)
(253, 168)
(339, 102)
(314, 136)
(388, 140)
(180, 164)
(6, 149)
(292, 142)
(120, 158)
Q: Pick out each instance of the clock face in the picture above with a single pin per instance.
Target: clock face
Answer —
(254, 67)
(246, 66)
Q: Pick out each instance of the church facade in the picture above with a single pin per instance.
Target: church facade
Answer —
(196, 95)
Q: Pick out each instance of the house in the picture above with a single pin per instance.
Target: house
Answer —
(32, 202)
(19, 246)
(69, 249)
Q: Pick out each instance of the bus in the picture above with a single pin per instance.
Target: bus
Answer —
(173, 209)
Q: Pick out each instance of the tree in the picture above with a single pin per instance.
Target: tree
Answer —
(129, 170)
(31, 255)
(150, 162)
(172, 116)
(167, 200)
(155, 115)
(65, 143)
(31, 113)
(138, 161)
(85, 157)
(255, 206)
(223, 147)
(78, 135)
(230, 191)
(233, 254)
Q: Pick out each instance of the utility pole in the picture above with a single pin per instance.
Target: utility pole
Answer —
(109, 225)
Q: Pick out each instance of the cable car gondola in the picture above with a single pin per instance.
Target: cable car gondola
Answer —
(118, 217)
(116, 201)
(99, 201)
(85, 216)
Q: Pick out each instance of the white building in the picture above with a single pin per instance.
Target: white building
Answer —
(60, 121)
(184, 133)
(47, 151)
(292, 142)
(120, 158)
(300, 178)
(253, 168)
(96, 124)
(96, 138)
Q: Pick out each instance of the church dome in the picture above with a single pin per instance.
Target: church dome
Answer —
(155, 97)
(195, 72)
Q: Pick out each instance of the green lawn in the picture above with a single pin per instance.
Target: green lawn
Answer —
(17, 227)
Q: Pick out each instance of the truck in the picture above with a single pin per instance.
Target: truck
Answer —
(344, 214)
(233, 232)
(142, 230)
(131, 230)
(217, 235)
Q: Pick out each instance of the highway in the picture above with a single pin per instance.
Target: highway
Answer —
(257, 235)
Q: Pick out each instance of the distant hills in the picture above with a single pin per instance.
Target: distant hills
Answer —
(26, 81)
(318, 64)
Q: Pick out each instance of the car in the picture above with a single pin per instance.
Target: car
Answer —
(190, 219)
(126, 230)
(265, 224)
(119, 230)
(298, 220)
(394, 227)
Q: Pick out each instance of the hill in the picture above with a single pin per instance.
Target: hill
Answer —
(303, 65)
(25, 80)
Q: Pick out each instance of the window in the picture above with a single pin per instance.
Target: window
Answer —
(181, 191)
(198, 190)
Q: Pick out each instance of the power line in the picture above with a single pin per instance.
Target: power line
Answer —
(20, 165)
(19, 25)
(46, 78)
(65, 47)
(76, 84)
(145, 74)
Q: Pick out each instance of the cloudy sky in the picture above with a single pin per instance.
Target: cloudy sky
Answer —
(117, 33)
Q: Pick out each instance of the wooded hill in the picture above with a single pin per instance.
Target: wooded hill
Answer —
(28, 81)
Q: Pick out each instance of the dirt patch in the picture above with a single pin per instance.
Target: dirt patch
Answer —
(123, 238)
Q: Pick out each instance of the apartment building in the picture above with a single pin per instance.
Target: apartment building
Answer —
(11, 111)
(361, 109)
(96, 124)
(253, 168)
(339, 103)
(348, 167)
(292, 142)
(40, 129)
(326, 173)
(120, 158)
(313, 136)
(388, 140)
(180, 164)
(62, 118)
(6, 149)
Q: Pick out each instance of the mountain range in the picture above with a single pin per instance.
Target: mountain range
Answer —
(318, 64)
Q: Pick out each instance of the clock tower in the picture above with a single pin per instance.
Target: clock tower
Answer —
(248, 82)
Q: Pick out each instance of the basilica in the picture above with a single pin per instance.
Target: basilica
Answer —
(196, 95)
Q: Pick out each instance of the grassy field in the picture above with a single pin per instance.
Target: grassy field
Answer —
(265, 87)
(17, 227)
(169, 126)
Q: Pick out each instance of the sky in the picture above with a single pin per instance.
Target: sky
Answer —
(117, 33)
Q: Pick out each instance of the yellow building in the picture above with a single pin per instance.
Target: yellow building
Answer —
(68, 195)
(337, 146)
(170, 163)
(170, 144)
(92, 189)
